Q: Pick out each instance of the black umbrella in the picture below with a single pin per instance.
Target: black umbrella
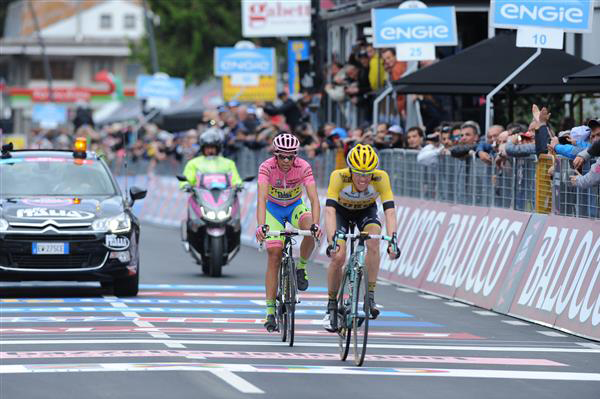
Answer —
(592, 72)
(481, 67)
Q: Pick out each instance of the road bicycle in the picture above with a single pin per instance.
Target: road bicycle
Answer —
(353, 315)
(287, 288)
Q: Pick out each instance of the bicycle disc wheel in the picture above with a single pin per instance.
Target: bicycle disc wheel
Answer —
(343, 302)
(290, 301)
(360, 321)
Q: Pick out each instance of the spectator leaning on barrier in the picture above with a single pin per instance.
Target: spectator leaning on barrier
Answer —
(578, 139)
(593, 151)
(429, 155)
(486, 149)
(469, 136)
(446, 136)
(414, 138)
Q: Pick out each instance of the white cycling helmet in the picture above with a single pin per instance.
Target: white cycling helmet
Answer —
(286, 142)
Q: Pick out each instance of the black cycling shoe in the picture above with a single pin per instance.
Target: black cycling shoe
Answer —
(301, 279)
(270, 324)
(373, 311)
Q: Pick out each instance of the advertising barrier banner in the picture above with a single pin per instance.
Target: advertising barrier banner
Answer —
(561, 286)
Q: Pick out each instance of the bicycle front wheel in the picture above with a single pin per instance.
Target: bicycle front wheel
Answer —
(343, 305)
(290, 301)
(360, 319)
(282, 319)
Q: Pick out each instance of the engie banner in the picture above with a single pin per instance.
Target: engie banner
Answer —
(542, 268)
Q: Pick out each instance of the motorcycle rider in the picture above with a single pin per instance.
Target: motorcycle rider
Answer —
(210, 160)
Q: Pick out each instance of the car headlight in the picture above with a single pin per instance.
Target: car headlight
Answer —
(3, 224)
(117, 224)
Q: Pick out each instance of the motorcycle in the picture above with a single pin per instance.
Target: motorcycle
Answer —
(212, 230)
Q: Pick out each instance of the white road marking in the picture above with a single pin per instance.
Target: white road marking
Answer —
(298, 344)
(427, 296)
(515, 322)
(485, 313)
(296, 369)
(383, 283)
(407, 290)
(115, 302)
(552, 334)
(457, 304)
(236, 381)
(589, 345)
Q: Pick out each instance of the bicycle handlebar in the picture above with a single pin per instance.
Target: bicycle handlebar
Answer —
(289, 233)
(365, 235)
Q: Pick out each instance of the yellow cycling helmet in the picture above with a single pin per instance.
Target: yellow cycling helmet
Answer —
(362, 159)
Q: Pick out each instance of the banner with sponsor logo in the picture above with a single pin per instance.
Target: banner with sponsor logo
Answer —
(435, 25)
(561, 286)
(542, 268)
(276, 18)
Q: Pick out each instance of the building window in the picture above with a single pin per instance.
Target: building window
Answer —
(132, 71)
(129, 21)
(105, 21)
(61, 70)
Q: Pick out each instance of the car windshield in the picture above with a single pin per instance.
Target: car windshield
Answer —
(54, 176)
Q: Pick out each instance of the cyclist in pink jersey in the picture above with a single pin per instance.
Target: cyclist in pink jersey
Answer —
(280, 181)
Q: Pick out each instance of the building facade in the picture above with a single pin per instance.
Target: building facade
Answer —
(81, 38)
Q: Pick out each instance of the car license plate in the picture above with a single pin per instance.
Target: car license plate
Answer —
(50, 248)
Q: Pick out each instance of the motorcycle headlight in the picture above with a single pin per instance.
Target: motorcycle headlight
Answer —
(210, 215)
(3, 224)
(117, 224)
(221, 215)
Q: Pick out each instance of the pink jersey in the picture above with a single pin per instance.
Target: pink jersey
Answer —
(285, 188)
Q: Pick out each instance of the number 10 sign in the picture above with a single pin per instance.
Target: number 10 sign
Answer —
(541, 23)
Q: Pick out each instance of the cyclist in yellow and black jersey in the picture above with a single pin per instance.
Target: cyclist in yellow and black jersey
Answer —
(351, 197)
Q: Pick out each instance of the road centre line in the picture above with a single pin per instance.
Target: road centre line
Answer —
(300, 369)
(274, 343)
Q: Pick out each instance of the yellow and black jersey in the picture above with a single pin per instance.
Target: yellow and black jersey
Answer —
(342, 192)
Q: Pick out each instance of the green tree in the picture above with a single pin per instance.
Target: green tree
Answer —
(187, 34)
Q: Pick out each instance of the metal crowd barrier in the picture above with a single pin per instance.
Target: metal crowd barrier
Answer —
(526, 184)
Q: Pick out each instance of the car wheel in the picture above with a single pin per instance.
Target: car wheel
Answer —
(127, 286)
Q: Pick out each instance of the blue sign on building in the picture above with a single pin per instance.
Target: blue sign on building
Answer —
(433, 25)
(49, 113)
(231, 61)
(568, 15)
(298, 50)
(159, 87)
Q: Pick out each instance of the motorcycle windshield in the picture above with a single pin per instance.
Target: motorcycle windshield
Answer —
(210, 181)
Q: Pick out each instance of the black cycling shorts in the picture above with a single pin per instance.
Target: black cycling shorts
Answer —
(361, 218)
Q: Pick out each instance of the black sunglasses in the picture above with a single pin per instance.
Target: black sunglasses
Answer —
(286, 157)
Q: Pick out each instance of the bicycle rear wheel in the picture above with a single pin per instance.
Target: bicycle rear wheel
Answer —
(343, 305)
(360, 320)
(290, 300)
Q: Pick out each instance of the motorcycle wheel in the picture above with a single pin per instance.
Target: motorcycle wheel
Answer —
(216, 256)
